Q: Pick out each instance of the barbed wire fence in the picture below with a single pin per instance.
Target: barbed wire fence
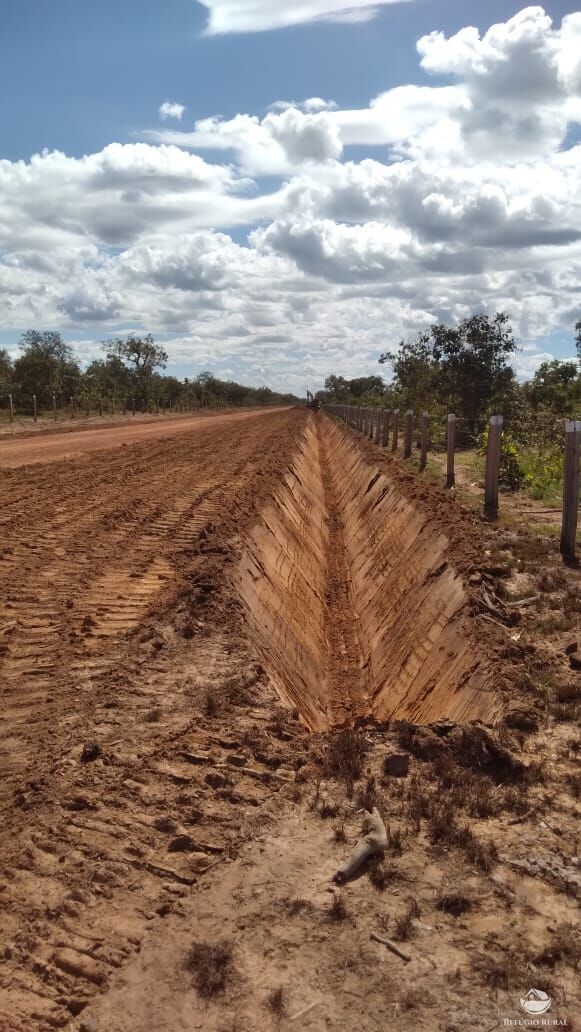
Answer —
(395, 431)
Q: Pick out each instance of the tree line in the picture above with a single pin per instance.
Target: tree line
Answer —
(466, 369)
(130, 372)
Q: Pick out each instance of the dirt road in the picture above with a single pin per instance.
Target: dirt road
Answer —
(50, 447)
(109, 565)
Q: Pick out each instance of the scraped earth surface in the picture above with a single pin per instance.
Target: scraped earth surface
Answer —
(187, 624)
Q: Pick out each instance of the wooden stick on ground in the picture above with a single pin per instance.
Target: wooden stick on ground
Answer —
(391, 946)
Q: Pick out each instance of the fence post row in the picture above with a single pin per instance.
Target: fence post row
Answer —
(395, 429)
(424, 452)
(493, 466)
(374, 423)
(450, 444)
(409, 430)
(570, 488)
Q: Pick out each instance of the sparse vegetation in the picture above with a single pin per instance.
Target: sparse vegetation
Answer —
(211, 704)
(211, 965)
(338, 910)
(345, 757)
(454, 903)
(404, 925)
(275, 1002)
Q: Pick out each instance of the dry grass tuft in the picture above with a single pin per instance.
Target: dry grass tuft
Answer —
(211, 966)
(338, 910)
(404, 925)
(211, 704)
(275, 1001)
(454, 903)
(368, 797)
(345, 756)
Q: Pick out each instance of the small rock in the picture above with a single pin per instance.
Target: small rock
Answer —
(237, 760)
(475, 578)
(575, 660)
(166, 824)
(216, 780)
(88, 1025)
(198, 759)
(396, 764)
(91, 751)
(522, 719)
(182, 844)
(572, 647)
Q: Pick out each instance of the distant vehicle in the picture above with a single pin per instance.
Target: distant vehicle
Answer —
(312, 402)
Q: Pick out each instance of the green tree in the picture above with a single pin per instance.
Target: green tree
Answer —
(556, 386)
(141, 356)
(6, 371)
(107, 378)
(46, 366)
(466, 367)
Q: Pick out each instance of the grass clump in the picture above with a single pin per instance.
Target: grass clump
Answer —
(345, 757)
(404, 925)
(275, 1001)
(211, 966)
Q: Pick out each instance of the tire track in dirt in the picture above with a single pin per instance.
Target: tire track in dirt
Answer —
(74, 586)
(87, 862)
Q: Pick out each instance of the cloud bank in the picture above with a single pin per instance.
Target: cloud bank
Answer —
(475, 205)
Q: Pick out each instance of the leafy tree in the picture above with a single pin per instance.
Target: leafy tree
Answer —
(556, 386)
(465, 367)
(107, 378)
(337, 389)
(6, 371)
(141, 356)
(46, 366)
(578, 338)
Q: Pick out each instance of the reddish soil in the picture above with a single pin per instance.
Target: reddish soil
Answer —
(159, 602)
(52, 445)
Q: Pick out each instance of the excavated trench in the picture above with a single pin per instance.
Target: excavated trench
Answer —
(351, 598)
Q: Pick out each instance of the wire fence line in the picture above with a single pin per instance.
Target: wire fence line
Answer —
(116, 405)
(390, 428)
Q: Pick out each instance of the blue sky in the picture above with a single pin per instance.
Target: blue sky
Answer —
(283, 247)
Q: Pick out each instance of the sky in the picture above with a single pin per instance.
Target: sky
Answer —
(279, 190)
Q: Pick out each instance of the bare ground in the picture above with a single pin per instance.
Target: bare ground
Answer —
(171, 830)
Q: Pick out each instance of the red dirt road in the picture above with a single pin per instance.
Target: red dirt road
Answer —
(51, 447)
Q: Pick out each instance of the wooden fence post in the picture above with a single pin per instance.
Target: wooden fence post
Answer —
(379, 427)
(372, 412)
(425, 430)
(570, 488)
(11, 407)
(386, 423)
(134, 405)
(409, 430)
(34, 412)
(54, 406)
(493, 465)
(450, 445)
(395, 429)
(72, 408)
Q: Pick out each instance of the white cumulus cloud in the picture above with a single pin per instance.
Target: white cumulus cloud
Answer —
(171, 109)
(473, 204)
(259, 15)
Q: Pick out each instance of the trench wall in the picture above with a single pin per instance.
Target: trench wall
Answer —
(418, 659)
